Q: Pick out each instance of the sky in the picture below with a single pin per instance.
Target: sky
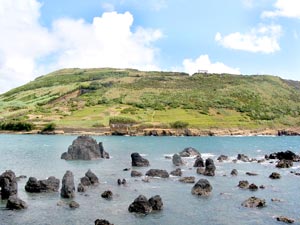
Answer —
(220, 36)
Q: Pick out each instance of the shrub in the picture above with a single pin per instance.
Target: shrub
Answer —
(49, 127)
(98, 125)
(179, 124)
(16, 126)
(121, 120)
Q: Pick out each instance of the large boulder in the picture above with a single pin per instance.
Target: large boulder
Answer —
(157, 173)
(140, 205)
(176, 159)
(254, 202)
(198, 162)
(138, 160)
(209, 167)
(85, 148)
(14, 202)
(8, 184)
(36, 186)
(202, 188)
(189, 152)
(156, 202)
(68, 186)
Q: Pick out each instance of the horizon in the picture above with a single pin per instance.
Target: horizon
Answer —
(240, 37)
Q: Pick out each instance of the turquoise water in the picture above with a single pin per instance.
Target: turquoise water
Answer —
(39, 156)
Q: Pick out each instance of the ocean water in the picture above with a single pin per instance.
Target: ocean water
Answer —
(39, 156)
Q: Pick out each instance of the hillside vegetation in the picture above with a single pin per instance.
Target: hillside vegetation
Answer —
(91, 98)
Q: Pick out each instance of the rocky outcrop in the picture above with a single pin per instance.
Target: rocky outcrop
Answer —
(202, 188)
(254, 202)
(189, 152)
(88, 180)
(209, 167)
(274, 175)
(176, 172)
(144, 206)
(287, 155)
(285, 219)
(14, 202)
(135, 173)
(288, 133)
(138, 160)
(68, 186)
(198, 162)
(157, 173)
(283, 163)
(8, 184)
(176, 159)
(189, 180)
(36, 186)
(85, 148)
(102, 222)
(107, 194)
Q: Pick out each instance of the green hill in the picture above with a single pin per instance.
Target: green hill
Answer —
(87, 98)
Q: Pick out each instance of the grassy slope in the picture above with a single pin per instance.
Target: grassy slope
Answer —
(83, 98)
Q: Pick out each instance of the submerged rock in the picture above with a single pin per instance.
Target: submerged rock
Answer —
(283, 163)
(189, 180)
(74, 205)
(140, 205)
(138, 160)
(285, 219)
(209, 167)
(244, 184)
(68, 186)
(275, 175)
(157, 173)
(189, 152)
(254, 202)
(198, 162)
(287, 155)
(234, 172)
(176, 172)
(243, 158)
(107, 194)
(135, 173)
(156, 202)
(85, 148)
(102, 222)
(222, 158)
(14, 202)
(176, 159)
(202, 188)
(253, 187)
(8, 184)
(36, 186)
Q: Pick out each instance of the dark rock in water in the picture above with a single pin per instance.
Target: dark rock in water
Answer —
(260, 160)
(189, 152)
(253, 187)
(200, 170)
(138, 160)
(68, 186)
(126, 169)
(135, 173)
(189, 180)
(36, 186)
(85, 181)
(222, 158)
(234, 172)
(254, 202)
(198, 162)
(74, 205)
(243, 158)
(156, 202)
(14, 202)
(276, 200)
(275, 175)
(85, 148)
(157, 173)
(287, 155)
(119, 182)
(202, 188)
(176, 172)
(251, 174)
(107, 194)
(283, 163)
(285, 219)
(102, 222)
(244, 184)
(262, 187)
(140, 205)
(168, 157)
(176, 159)
(8, 184)
(124, 181)
(209, 167)
(92, 177)
(81, 188)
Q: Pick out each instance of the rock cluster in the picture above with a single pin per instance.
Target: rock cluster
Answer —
(144, 206)
(254, 202)
(85, 148)
(209, 170)
(176, 159)
(88, 180)
(36, 186)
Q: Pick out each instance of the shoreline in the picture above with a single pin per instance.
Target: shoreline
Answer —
(192, 132)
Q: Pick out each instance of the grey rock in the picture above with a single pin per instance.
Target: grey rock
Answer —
(285, 219)
(8, 184)
(36, 186)
(283, 163)
(253, 187)
(176, 172)
(189, 152)
(176, 159)
(157, 173)
(254, 202)
(74, 205)
(202, 188)
(243, 158)
(198, 162)
(14, 202)
(209, 167)
(102, 222)
(135, 173)
(234, 172)
(107, 194)
(138, 160)
(92, 177)
(222, 158)
(81, 188)
(189, 180)
(274, 175)
(156, 202)
(244, 184)
(140, 205)
(68, 186)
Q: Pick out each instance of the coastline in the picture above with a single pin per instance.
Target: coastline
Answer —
(106, 131)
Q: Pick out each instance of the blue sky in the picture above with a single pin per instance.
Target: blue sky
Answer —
(228, 36)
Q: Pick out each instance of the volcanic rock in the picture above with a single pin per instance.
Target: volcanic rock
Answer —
(202, 188)
(14, 202)
(189, 152)
(8, 184)
(68, 186)
(253, 202)
(157, 173)
(176, 159)
(138, 160)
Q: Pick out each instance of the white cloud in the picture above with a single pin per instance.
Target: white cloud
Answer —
(248, 3)
(284, 8)
(203, 63)
(108, 7)
(263, 39)
(106, 42)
